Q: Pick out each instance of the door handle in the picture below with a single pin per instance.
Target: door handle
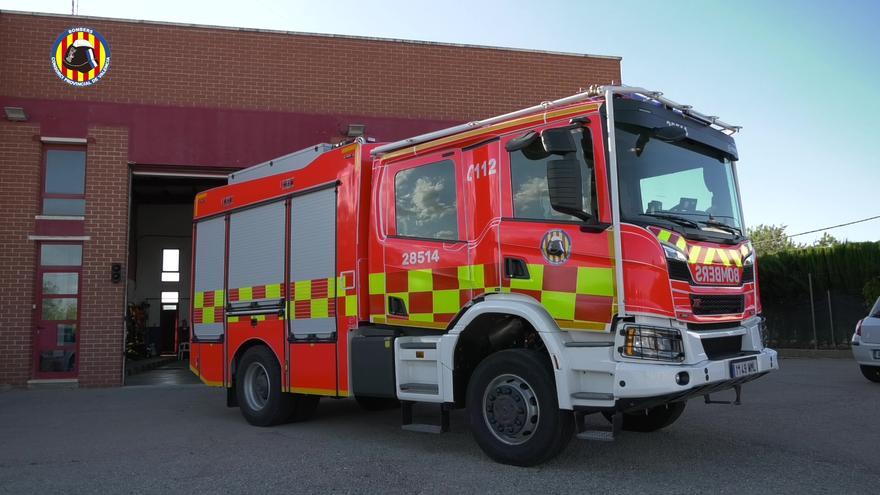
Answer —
(516, 268)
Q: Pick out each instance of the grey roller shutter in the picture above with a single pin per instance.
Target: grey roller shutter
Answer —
(313, 264)
(208, 294)
(256, 247)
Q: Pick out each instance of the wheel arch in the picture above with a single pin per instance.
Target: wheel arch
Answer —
(498, 322)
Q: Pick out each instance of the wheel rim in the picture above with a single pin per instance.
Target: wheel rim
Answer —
(510, 409)
(256, 386)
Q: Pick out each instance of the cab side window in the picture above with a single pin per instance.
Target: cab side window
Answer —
(528, 170)
(425, 201)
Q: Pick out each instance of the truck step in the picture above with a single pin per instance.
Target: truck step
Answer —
(406, 419)
(598, 433)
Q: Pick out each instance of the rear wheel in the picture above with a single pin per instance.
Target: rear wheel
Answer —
(513, 411)
(871, 372)
(258, 388)
(652, 419)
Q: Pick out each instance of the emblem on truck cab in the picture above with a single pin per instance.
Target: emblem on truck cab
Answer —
(556, 247)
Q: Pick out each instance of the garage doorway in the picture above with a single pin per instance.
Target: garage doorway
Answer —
(158, 271)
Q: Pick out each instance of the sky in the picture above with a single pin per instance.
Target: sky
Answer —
(797, 75)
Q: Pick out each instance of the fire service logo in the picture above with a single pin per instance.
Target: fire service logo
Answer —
(80, 56)
(556, 247)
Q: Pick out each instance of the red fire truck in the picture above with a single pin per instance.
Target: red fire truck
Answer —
(585, 255)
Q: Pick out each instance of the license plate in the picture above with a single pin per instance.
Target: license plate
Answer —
(743, 367)
(876, 353)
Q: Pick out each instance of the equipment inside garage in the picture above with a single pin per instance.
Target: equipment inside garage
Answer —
(158, 268)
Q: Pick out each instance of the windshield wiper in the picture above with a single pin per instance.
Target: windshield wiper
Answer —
(711, 222)
(675, 218)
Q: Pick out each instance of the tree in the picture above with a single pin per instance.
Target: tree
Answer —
(770, 239)
(827, 240)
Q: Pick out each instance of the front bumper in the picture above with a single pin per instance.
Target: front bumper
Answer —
(644, 381)
(864, 353)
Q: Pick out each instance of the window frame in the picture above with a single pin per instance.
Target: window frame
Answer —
(595, 204)
(434, 159)
(44, 176)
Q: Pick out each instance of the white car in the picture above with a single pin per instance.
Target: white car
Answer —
(866, 343)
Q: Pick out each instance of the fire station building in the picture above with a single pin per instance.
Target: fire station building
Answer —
(110, 128)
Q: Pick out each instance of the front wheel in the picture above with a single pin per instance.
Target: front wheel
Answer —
(513, 411)
(652, 419)
(871, 372)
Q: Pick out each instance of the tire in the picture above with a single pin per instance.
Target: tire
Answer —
(871, 372)
(501, 385)
(377, 403)
(258, 388)
(302, 407)
(652, 419)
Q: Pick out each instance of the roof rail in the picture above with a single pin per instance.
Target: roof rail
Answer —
(592, 92)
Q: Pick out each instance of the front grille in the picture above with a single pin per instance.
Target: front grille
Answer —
(706, 327)
(678, 270)
(748, 274)
(716, 304)
(722, 347)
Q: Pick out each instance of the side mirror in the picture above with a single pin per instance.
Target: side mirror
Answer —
(564, 185)
(558, 141)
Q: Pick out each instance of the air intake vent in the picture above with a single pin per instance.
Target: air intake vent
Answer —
(716, 304)
(678, 270)
(722, 347)
(748, 274)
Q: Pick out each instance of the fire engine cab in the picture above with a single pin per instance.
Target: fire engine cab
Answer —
(585, 255)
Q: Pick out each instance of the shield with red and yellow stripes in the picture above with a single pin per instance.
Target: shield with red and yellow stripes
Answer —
(80, 56)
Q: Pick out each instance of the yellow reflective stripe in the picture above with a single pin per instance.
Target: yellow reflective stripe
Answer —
(420, 280)
(695, 254)
(273, 291)
(471, 277)
(536, 282)
(350, 305)
(734, 255)
(245, 293)
(377, 283)
(421, 317)
(320, 308)
(302, 290)
(218, 298)
(233, 319)
(595, 281)
(722, 253)
(446, 301)
(710, 256)
(207, 315)
(560, 305)
(681, 244)
(340, 287)
(199, 300)
(331, 286)
(664, 235)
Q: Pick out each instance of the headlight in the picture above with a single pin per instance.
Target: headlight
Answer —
(673, 252)
(750, 259)
(662, 344)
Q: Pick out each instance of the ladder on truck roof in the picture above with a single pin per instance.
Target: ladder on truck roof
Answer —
(593, 92)
(287, 163)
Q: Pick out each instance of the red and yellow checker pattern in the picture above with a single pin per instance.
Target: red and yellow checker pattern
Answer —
(208, 307)
(579, 298)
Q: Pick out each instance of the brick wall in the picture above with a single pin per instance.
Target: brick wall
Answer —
(102, 302)
(199, 69)
(213, 67)
(19, 201)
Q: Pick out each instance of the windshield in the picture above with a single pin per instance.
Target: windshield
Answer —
(681, 179)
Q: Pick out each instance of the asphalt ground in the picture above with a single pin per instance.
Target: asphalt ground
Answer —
(812, 427)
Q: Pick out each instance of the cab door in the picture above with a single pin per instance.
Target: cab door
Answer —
(561, 261)
(426, 275)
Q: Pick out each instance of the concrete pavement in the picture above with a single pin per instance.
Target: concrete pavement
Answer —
(813, 427)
